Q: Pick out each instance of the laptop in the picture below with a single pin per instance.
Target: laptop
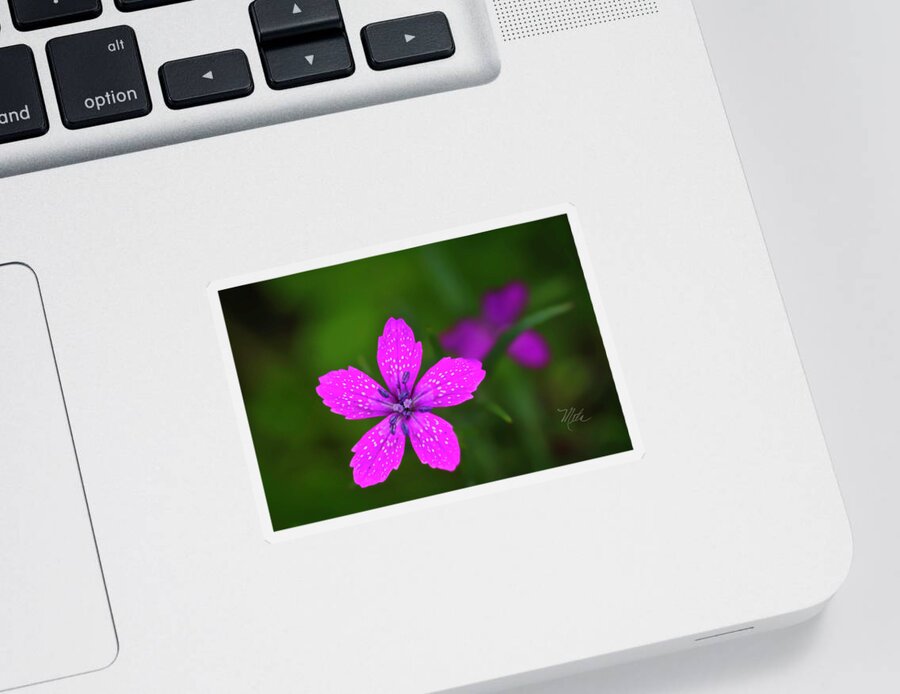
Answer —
(386, 347)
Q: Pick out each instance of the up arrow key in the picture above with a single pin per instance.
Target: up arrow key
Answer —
(408, 37)
(287, 21)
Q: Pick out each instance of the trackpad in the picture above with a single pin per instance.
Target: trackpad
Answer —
(55, 619)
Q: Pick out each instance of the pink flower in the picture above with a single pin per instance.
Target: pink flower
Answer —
(404, 405)
(473, 338)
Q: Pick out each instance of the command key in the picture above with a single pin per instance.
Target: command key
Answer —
(22, 111)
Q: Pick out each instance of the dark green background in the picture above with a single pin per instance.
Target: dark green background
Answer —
(287, 332)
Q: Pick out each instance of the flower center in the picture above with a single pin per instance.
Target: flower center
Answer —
(401, 404)
(404, 408)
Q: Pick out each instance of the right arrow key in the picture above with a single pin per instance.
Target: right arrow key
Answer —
(408, 40)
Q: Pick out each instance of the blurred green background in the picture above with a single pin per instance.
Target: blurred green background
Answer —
(287, 332)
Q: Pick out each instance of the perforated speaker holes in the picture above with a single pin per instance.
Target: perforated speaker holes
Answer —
(521, 19)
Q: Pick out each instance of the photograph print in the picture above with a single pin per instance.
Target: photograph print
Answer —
(422, 371)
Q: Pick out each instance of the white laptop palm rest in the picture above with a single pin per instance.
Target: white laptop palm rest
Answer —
(469, 368)
(51, 586)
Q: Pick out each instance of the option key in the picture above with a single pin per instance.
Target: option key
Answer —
(99, 77)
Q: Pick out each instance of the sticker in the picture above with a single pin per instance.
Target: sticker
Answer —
(382, 381)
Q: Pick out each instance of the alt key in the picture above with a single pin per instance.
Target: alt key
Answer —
(99, 77)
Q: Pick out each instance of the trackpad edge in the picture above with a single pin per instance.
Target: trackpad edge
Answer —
(55, 618)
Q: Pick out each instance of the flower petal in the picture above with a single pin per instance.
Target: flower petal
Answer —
(530, 349)
(434, 441)
(352, 393)
(447, 383)
(504, 306)
(377, 454)
(469, 338)
(399, 354)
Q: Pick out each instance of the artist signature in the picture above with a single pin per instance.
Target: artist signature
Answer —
(571, 417)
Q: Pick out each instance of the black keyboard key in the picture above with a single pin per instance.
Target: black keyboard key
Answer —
(131, 5)
(284, 19)
(99, 77)
(37, 14)
(22, 111)
(296, 64)
(407, 41)
(206, 79)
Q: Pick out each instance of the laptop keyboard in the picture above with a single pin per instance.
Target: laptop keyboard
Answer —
(99, 77)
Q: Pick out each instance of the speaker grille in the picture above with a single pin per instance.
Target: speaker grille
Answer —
(521, 19)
